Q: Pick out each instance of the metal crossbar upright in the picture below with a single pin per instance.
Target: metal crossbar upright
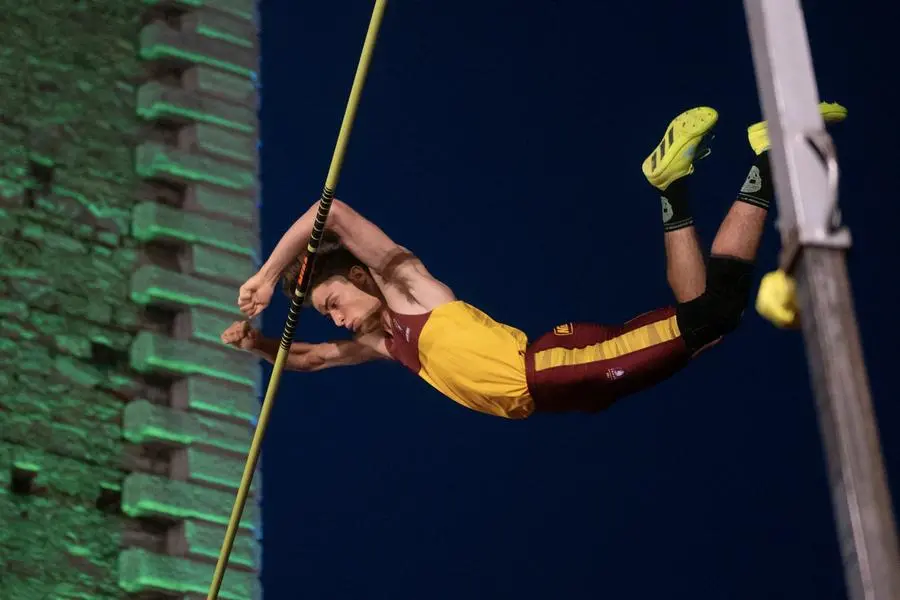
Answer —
(814, 245)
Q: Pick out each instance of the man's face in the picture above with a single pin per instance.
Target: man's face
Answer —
(347, 304)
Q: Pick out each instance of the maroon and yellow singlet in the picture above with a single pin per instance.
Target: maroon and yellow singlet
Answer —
(490, 367)
(467, 356)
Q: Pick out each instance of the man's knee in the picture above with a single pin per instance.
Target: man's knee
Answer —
(718, 311)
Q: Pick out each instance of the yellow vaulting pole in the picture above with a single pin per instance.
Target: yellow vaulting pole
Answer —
(300, 291)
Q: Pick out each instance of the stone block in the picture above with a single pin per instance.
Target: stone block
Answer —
(157, 161)
(12, 193)
(221, 26)
(158, 41)
(156, 101)
(223, 203)
(211, 82)
(209, 263)
(216, 397)
(96, 445)
(90, 309)
(162, 355)
(56, 548)
(38, 398)
(201, 325)
(156, 222)
(202, 541)
(27, 356)
(243, 9)
(209, 468)
(75, 477)
(44, 237)
(142, 572)
(147, 423)
(77, 371)
(152, 285)
(221, 143)
(10, 308)
(149, 496)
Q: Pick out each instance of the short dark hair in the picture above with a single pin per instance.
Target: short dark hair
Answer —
(331, 259)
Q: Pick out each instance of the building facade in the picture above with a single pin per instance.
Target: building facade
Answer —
(128, 219)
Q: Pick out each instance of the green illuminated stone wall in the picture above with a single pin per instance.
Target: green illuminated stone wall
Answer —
(128, 217)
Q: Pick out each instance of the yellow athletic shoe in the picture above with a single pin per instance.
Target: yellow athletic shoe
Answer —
(758, 134)
(681, 145)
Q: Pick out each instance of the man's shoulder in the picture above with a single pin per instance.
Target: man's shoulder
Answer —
(409, 287)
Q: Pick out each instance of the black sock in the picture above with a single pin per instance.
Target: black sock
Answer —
(757, 189)
(676, 210)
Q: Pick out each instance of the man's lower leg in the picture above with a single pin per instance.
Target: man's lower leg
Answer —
(741, 231)
(719, 309)
(667, 169)
(685, 269)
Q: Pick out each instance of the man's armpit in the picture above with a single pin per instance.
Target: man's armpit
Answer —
(396, 264)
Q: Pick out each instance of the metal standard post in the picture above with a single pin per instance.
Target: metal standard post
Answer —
(806, 175)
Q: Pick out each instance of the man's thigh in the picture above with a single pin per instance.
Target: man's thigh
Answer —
(587, 366)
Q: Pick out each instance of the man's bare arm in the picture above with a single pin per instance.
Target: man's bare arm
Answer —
(394, 265)
(363, 238)
(400, 274)
(316, 357)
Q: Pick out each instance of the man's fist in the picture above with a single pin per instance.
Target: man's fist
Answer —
(255, 295)
(241, 335)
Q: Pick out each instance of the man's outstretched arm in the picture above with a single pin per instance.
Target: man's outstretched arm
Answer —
(307, 357)
(316, 357)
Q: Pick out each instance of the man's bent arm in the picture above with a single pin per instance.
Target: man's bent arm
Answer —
(392, 264)
(293, 242)
(359, 235)
(316, 357)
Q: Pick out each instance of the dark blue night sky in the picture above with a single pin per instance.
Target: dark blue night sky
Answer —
(501, 141)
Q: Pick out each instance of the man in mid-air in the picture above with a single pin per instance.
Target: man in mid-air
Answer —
(397, 310)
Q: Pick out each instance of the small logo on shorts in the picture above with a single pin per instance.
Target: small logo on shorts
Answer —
(563, 329)
(613, 374)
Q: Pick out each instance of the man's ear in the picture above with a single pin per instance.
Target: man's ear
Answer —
(357, 275)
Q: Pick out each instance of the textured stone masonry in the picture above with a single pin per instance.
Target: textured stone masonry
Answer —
(151, 496)
(208, 467)
(202, 542)
(155, 286)
(141, 571)
(214, 397)
(200, 325)
(160, 102)
(221, 203)
(154, 222)
(146, 423)
(218, 84)
(160, 354)
(181, 167)
(159, 42)
(216, 266)
(129, 215)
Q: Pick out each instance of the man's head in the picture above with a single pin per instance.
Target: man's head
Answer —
(342, 287)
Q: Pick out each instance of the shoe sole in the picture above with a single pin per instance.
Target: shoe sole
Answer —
(690, 127)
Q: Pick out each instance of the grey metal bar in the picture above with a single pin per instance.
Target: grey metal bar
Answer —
(805, 169)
